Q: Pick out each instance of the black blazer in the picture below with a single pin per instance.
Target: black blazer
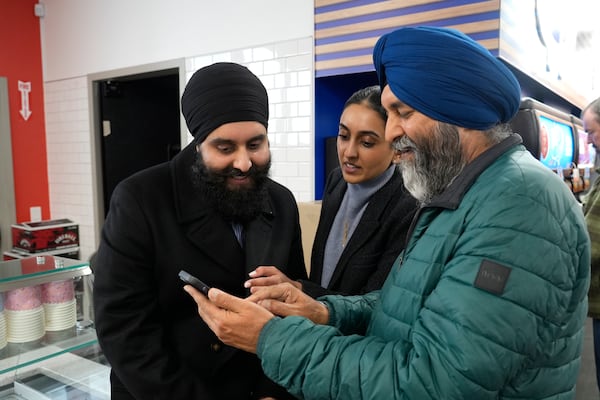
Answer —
(375, 244)
(148, 327)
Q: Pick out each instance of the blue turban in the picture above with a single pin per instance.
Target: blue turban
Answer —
(447, 76)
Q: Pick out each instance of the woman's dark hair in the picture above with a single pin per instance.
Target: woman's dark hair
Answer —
(369, 96)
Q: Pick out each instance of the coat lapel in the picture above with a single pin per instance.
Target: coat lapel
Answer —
(366, 228)
(215, 238)
(368, 225)
(330, 206)
(258, 236)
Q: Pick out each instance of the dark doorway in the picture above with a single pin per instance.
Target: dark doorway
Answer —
(140, 124)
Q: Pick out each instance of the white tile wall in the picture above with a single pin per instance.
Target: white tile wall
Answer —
(286, 70)
(69, 156)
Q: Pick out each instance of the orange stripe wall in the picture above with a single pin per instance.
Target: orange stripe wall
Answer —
(21, 60)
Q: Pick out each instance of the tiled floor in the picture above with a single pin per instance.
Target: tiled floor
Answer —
(586, 384)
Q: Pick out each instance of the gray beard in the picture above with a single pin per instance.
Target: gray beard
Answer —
(437, 161)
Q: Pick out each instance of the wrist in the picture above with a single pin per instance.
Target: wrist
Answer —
(322, 317)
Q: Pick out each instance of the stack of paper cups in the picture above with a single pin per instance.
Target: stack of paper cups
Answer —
(24, 314)
(3, 341)
(60, 308)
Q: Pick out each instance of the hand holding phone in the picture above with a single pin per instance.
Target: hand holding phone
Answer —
(195, 282)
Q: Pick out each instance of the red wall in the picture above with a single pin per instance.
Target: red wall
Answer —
(21, 60)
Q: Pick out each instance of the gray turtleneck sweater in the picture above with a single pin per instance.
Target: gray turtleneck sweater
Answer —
(353, 206)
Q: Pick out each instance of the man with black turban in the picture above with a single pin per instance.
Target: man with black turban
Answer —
(488, 300)
(212, 211)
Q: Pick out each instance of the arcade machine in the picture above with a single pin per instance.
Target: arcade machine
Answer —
(550, 135)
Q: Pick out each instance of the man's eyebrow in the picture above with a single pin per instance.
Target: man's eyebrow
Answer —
(219, 140)
(261, 136)
(398, 104)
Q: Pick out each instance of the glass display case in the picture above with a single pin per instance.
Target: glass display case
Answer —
(48, 345)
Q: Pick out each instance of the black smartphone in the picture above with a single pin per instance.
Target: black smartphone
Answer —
(195, 282)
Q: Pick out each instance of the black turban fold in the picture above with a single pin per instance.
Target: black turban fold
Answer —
(447, 76)
(222, 93)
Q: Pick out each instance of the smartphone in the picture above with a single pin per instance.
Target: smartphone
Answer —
(195, 282)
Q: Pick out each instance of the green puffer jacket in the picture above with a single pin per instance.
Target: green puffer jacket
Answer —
(489, 302)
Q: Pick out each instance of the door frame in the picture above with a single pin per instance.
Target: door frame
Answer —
(94, 89)
(8, 213)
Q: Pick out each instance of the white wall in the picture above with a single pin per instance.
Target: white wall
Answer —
(81, 37)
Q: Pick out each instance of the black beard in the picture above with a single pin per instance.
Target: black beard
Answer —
(239, 206)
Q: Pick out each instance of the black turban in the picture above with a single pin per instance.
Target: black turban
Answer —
(221, 93)
(447, 76)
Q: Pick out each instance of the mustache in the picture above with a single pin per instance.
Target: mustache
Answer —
(254, 172)
(257, 172)
(231, 172)
(403, 144)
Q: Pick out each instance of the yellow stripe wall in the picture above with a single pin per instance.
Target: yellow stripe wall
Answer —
(346, 30)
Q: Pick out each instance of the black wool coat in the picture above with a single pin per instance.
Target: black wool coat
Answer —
(148, 327)
(377, 241)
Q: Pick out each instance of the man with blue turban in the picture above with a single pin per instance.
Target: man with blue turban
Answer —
(488, 300)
